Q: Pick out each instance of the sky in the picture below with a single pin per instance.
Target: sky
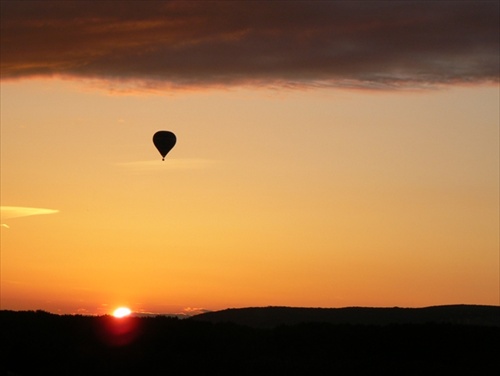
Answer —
(329, 154)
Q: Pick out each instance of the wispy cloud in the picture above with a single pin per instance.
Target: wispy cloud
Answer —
(9, 212)
(170, 164)
(191, 311)
(158, 44)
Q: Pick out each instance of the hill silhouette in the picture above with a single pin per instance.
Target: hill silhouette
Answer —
(267, 317)
(37, 342)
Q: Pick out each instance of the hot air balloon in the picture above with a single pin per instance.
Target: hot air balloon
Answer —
(164, 142)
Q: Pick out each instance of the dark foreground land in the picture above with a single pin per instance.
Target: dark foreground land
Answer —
(283, 342)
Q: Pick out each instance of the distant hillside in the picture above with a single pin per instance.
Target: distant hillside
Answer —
(41, 343)
(268, 317)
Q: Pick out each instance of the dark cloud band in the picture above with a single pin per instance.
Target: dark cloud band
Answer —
(362, 44)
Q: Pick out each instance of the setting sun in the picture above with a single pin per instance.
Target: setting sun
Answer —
(121, 312)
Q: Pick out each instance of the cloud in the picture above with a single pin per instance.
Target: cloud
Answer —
(168, 164)
(9, 212)
(160, 44)
(190, 311)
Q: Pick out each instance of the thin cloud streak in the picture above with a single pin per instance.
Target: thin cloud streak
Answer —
(375, 45)
(9, 212)
(171, 164)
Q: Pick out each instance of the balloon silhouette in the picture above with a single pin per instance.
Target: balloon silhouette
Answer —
(164, 142)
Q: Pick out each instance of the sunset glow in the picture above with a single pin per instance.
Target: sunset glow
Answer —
(329, 154)
(121, 312)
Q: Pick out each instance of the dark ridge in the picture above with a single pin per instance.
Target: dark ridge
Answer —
(268, 317)
(40, 343)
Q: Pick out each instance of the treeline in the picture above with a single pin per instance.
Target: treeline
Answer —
(42, 343)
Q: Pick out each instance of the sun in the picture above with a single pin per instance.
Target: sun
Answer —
(121, 312)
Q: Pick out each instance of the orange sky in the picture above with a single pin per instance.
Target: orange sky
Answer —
(307, 194)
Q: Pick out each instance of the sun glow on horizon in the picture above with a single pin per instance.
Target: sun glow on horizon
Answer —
(121, 312)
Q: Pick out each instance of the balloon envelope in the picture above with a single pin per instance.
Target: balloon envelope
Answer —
(164, 142)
